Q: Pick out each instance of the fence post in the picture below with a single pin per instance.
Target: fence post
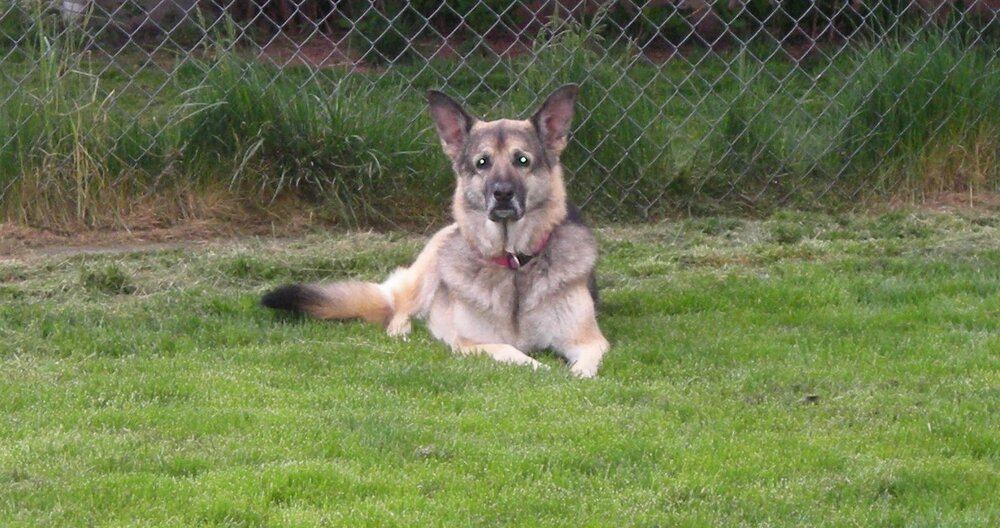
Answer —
(73, 10)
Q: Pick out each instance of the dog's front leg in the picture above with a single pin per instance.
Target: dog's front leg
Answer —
(498, 351)
(408, 288)
(399, 325)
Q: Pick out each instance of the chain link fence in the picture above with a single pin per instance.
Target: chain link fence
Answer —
(687, 106)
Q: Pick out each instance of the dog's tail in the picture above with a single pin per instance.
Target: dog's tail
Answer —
(338, 300)
(389, 304)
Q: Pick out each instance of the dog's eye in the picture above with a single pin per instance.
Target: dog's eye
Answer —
(483, 162)
(521, 160)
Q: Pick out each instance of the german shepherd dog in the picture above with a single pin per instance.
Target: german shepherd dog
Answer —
(514, 274)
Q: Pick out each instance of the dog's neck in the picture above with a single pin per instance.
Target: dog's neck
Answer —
(515, 261)
(491, 238)
(497, 238)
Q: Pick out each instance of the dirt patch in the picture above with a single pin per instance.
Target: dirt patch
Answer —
(210, 215)
(19, 242)
(336, 50)
(319, 51)
(946, 201)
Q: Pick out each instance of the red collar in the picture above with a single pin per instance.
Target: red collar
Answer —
(517, 260)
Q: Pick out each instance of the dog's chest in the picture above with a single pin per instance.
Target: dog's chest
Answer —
(493, 303)
(499, 292)
(510, 305)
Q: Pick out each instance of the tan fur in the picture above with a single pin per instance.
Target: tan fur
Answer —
(556, 210)
(500, 352)
(537, 221)
(405, 284)
(351, 300)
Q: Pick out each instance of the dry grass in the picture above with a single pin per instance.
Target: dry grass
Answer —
(970, 167)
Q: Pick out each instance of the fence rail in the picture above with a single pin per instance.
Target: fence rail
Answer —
(685, 105)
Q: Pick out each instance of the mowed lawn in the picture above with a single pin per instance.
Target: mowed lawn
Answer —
(801, 370)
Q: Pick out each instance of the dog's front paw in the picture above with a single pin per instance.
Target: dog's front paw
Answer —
(536, 365)
(583, 370)
(399, 327)
(509, 354)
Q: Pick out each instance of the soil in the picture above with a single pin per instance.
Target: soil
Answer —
(328, 50)
(21, 242)
(320, 50)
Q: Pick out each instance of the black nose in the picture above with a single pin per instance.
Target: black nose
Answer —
(503, 191)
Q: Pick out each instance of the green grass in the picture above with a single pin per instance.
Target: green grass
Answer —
(803, 370)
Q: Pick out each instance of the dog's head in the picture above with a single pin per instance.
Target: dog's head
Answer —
(506, 168)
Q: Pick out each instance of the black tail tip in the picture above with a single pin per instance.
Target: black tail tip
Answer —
(291, 297)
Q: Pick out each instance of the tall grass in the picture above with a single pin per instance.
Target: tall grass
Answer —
(322, 139)
(620, 140)
(61, 141)
(241, 136)
(911, 115)
(923, 117)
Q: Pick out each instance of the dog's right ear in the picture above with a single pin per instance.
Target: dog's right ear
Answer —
(452, 122)
(552, 121)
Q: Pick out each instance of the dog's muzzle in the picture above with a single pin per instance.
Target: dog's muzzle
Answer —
(504, 201)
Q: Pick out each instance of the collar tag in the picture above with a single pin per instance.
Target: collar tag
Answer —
(515, 261)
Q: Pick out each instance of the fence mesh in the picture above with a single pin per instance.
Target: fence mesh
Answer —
(685, 105)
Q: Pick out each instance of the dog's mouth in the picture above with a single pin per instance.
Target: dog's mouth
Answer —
(505, 212)
(504, 200)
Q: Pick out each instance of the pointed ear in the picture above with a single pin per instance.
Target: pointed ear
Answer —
(553, 119)
(452, 122)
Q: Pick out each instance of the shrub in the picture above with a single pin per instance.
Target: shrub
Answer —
(384, 31)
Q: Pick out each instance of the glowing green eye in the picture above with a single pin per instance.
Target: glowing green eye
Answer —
(483, 162)
(522, 160)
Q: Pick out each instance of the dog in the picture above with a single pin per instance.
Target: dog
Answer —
(513, 274)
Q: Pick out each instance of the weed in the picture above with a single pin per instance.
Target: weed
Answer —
(109, 279)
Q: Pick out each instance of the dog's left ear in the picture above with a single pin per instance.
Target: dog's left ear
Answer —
(553, 119)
